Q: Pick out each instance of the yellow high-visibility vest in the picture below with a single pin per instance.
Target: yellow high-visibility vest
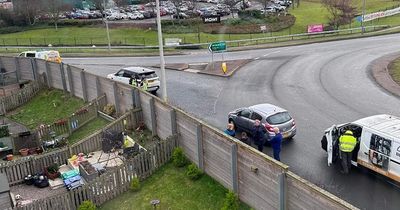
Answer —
(347, 143)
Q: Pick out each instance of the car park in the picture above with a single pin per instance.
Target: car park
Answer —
(378, 144)
(180, 16)
(128, 74)
(270, 116)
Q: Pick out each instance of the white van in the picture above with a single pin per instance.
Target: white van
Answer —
(48, 55)
(378, 144)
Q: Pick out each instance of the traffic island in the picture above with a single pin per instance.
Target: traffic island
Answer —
(211, 68)
(380, 71)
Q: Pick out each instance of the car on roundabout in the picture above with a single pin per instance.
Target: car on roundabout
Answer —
(270, 116)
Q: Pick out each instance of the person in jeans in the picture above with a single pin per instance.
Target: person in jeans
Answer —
(258, 133)
(276, 142)
(230, 130)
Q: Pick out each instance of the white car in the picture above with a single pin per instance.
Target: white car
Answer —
(135, 16)
(128, 74)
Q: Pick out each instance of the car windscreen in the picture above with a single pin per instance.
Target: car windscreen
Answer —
(279, 118)
(148, 75)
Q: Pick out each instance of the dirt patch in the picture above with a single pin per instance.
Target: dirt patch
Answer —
(394, 70)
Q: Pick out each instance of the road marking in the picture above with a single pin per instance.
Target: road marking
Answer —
(271, 53)
(257, 58)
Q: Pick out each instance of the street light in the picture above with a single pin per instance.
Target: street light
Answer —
(161, 48)
(105, 20)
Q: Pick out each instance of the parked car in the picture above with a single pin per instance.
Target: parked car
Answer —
(127, 74)
(180, 16)
(135, 16)
(270, 116)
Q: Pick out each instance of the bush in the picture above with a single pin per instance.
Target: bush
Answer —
(178, 157)
(4, 132)
(231, 201)
(193, 172)
(135, 184)
(87, 205)
(109, 109)
(248, 14)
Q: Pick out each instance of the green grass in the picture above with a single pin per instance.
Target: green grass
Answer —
(309, 12)
(175, 191)
(394, 70)
(87, 129)
(45, 108)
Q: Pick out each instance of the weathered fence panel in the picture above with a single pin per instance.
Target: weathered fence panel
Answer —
(76, 77)
(20, 97)
(163, 117)
(186, 128)
(26, 69)
(145, 104)
(91, 87)
(8, 63)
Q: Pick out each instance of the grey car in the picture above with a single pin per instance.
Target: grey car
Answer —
(270, 116)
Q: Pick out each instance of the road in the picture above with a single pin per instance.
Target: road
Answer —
(320, 84)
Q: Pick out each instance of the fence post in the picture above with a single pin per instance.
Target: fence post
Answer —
(199, 135)
(48, 74)
(115, 88)
(34, 71)
(30, 41)
(84, 89)
(174, 129)
(153, 117)
(64, 83)
(282, 191)
(98, 86)
(17, 68)
(70, 80)
(137, 99)
(234, 171)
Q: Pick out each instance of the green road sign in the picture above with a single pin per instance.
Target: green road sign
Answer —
(217, 47)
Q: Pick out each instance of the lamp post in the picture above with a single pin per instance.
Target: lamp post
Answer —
(106, 22)
(161, 49)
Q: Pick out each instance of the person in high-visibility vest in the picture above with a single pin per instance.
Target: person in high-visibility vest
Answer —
(347, 143)
(145, 84)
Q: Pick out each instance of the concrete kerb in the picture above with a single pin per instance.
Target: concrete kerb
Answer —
(380, 73)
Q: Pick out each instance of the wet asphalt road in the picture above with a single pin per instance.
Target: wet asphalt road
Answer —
(320, 84)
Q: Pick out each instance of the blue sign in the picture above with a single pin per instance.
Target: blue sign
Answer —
(359, 18)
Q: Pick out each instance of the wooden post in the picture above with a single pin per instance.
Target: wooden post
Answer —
(98, 86)
(200, 158)
(17, 68)
(153, 117)
(62, 71)
(282, 191)
(137, 99)
(133, 98)
(234, 171)
(174, 129)
(48, 74)
(115, 88)
(34, 69)
(84, 89)
(70, 80)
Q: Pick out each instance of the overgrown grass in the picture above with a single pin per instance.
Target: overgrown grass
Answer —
(394, 70)
(175, 191)
(45, 108)
(87, 129)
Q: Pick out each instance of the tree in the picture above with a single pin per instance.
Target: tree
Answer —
(30, 9)
(232, 5)
(100, 5)
(54, 8)
(341, 12)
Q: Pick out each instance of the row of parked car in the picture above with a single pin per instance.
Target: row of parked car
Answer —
(277, 6)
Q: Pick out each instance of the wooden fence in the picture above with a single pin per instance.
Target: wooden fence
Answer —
(16, 170)
(19, 97)
(113, 183)
(258, 179)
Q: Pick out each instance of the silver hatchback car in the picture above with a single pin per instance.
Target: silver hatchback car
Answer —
(270, 115)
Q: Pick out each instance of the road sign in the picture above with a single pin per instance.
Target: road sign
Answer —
(217, 47)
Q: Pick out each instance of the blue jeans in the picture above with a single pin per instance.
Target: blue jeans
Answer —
(276, 154)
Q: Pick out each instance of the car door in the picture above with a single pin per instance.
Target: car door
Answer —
(330, 149)
(126, 77)
(118, 76)
(243, 120)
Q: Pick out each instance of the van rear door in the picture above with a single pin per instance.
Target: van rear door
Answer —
(330, 144)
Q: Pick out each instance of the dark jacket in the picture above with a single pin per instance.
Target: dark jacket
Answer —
(258, 133)
(230, 132)
(276, 142)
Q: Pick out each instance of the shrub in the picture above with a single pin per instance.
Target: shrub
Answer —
(248, 14)
(135, 184)
(178, 157)
(231, 201)
(87, 205)
(109, 109)
(4, 132)
(193, 172)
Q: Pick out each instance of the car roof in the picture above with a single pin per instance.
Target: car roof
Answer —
(138, 69)
(267, 109)
(383, 123)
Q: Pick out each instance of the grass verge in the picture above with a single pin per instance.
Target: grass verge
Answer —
(394, 70)
(175, 191)
(45, 108)
(87, 130)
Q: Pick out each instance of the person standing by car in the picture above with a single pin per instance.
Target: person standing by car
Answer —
(230, 130)
(276, 142)
(347, 143)
(258, 133)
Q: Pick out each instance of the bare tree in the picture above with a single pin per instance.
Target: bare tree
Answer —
(30, 9)
(341, 12)
(54, 8)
